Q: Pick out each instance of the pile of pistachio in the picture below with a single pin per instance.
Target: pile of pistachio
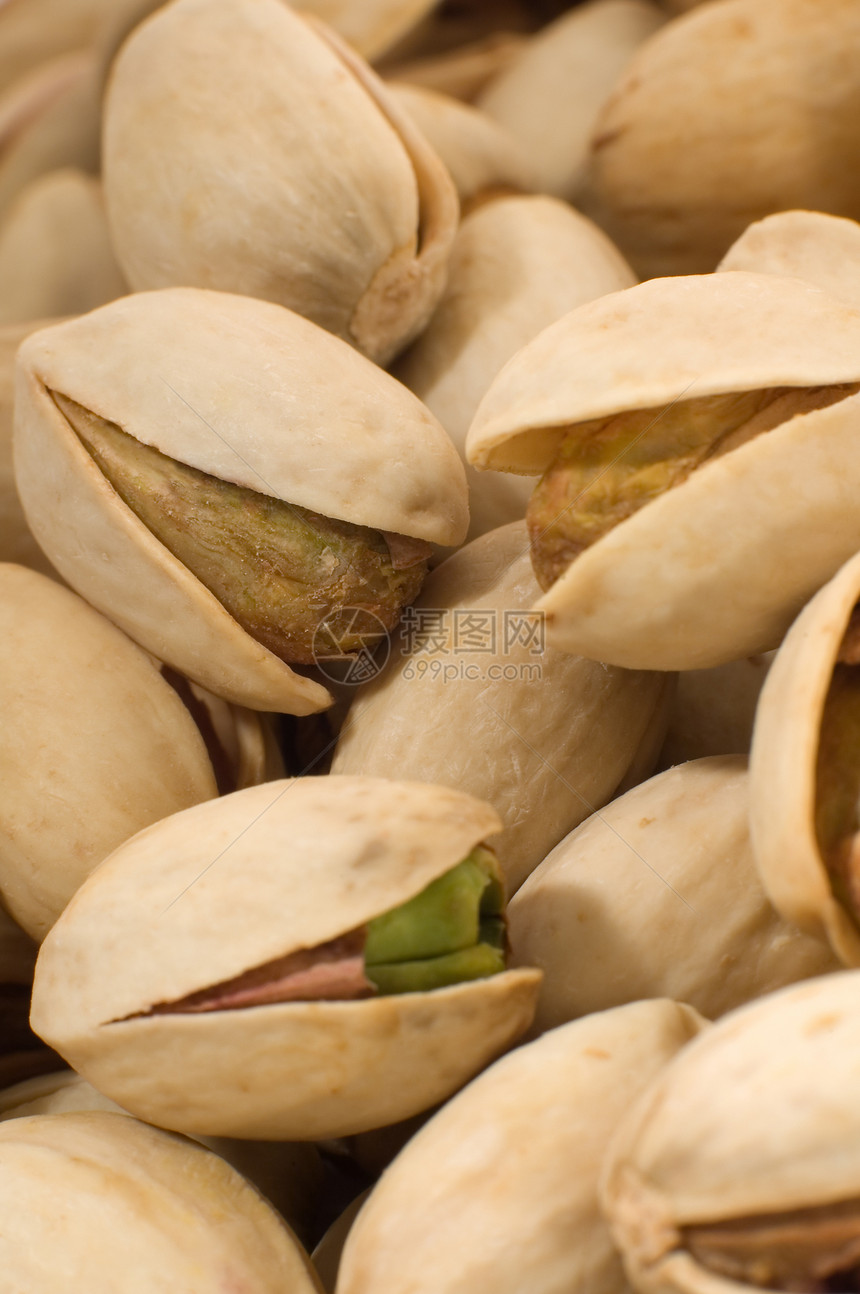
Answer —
(430, 622)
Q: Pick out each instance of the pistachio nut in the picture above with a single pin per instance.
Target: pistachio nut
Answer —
(729, 113)
(647, 412)
(803, 769)
(810, 245)
(55, 253)
(299, 960)
(352, 213)
(737, 1168)
(551, 94)
(95, 745)
(328, 1253)
(95, 1194)
(241, 485)
(499, 1190)
(16, 540)
(544, 735)
(713, 710)
(518, 265)
(694, 923)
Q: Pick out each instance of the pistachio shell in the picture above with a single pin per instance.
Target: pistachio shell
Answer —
(550, 96)
(55, 254)
(713, 710)
(518, 265)
(694, 924)
(203, 897)
(215, 380)
(96, 745)
(371, 26)
(757, 1117)
(16, 542)
(650, 593)
(547, 745)
(327, 1255)
(461, 72)
(63, 1092)
(352, 213)
(677, 164)
(178, 1215)
(783, 767)
(822, 249)
(499, 1190)
(34, 31)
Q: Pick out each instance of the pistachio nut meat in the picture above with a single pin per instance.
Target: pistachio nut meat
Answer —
(473, 698)
(316, 957)
(738, 1168)
(337, 208)
(810, 245)
(659, 416)
(499, 1190)
(246, 492)
(657, 895)
(128, 1207)
(803, 768)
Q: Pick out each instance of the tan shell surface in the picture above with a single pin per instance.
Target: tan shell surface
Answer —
(713, 710)
(63, 1092)
(499, 1190)
(462, 71)
(729, 113)
(657, 896)
(179, 1216)
(810, 245)
(518, 265)
(758, 1115)
(371, 26)
(783, 767)
(55, 253)
(655, 343)
(16, 541)
(96, 745)
(338, 208)
(550, 96)
(547, 742)
(34, 31)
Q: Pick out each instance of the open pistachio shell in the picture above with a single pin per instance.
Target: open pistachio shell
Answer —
(499, 1190)
(544, 735)
(202, 898)
(737, 1169)
(713, 710)
(178, 1215)
(352, 213)
(822, 249)
(518, 265)
(55, 253)
(678, 583)
(677, 166)
(16, 540)
(657, 896)
(550, 96)
(802, 767)
(251, 394)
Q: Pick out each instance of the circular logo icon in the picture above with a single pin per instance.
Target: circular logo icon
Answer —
(351, 646)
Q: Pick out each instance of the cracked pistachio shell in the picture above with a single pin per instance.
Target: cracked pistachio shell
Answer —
(713, 710)
(550, 96)
(677, 168)
(758, 1116)
(96, 1193)
(16, 540)
(695, 923)
(783, 771)
(248, 392)
(546, 736)
(518, 265)
(339, 209)
(205, 896)
(55, 253)
(822, 249)
(681, 584)
(95, 745)
(499, 1190)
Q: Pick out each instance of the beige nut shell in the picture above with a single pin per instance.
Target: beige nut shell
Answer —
(337, 207)
(499, 1190)
(547, 746)
(810, 245)
(694, 922)
(757, 1116)
(178, 1215)
(16, 541)
(201, 898)
(717, 567)
(247, 391)
(783, 767)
